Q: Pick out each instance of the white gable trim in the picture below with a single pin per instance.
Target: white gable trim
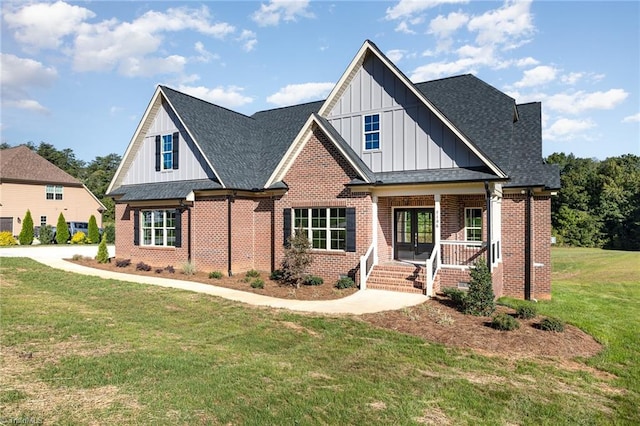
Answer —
(138, 139)
(353, 68)
(299, 143)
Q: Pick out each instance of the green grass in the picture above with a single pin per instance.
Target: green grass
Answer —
(104, 351)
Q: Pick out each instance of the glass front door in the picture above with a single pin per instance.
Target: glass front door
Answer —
(413, 234)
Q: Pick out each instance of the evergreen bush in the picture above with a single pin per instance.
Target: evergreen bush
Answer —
(504, 322)
(552, 324)
(313, 280)
(526, 311)
(110, 232)
(103, 253)
(46, 234)
(257, 283)
(252, 273)
(480, 300)
(93, 232)
(6, 239)
(26, 233)
(62, 232)
(456, 295)
(345, 282)
(215, 275)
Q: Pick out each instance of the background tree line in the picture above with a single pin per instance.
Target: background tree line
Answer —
(598, 205)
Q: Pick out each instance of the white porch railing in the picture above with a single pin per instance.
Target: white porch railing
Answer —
(366, 265)
(462, 254)
(431, 269)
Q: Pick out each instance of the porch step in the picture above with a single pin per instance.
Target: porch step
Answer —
(402, 278)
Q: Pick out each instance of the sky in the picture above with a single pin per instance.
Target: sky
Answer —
(80, 75)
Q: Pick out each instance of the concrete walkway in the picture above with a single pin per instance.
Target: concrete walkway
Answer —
(361, 302)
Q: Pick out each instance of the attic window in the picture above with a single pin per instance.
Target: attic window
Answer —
(371, 132)
(167, 149)
(167, 152)
(53, 192)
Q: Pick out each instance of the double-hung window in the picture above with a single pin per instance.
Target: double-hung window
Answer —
(167, 152)
(473, 223)
(158, 228)
(371, 132)
(326, 228)
(53, 192)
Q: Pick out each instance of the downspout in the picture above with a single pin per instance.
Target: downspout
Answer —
(489, 250)
(528, 231)
(229, 201)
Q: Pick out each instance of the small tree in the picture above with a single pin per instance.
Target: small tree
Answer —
(62, 232)
(103, 253)
(26, 233)
(480, 298)
(93, 233)
(296, 259)
(46, 234)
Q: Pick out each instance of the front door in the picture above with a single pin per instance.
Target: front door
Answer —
(413, 236)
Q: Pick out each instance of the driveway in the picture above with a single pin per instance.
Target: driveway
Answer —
(361, 302)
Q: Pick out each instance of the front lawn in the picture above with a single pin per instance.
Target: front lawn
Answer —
(79, 349)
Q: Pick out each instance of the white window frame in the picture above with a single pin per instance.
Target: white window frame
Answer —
(43, 220)
(164, 152)
(54, 192)
(469, 228)
(370, 132)
(159, 234)
(328, 229)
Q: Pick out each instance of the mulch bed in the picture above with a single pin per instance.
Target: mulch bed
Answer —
(436, 320)
(271, 288)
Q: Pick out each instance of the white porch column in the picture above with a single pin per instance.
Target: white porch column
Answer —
(374, 227)
(436, 213)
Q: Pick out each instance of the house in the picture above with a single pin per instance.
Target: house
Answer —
(402, 186)
(28, 181)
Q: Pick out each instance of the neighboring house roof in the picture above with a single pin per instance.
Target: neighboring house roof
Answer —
(21, 164)
(254, 152)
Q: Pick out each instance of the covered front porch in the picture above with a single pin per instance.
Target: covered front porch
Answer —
(425, 239)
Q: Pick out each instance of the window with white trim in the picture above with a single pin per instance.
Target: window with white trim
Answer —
(167, 152)
(473, 224)
(158, 228)
(326, 228)
(371, 132)
(53, 192)
(43, 220)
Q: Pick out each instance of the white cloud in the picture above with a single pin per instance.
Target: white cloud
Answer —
(442, 26)
(403, 27)
(572, 77)
(537, 76)
(230, 97)
(577, 102)
(526, 62)
(296, 93)
(395, 55)
(28, 104)
(249, 40)
(566, 129)
(441, 69)
(505, 26)
(632, 118)
(407, 8)
(43, 25)
(287, 10)
(23, 72)
(128, 46)
(204, 55)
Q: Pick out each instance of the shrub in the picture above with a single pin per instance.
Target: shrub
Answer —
(62, 232)
(77, 257)
(480, 298)
(79, 238)
(277, 275)
(552, 324)
(296, 259)
(188, 268)
(123, 263)
(93, 233)
(313, 280)
(504, 322)
(141, 266)
(26, 233)
(158, 270)
(46, 234)
(110, 232)
(345, 282)
(252, 273)
(170, 269)
(215, 275)
(456, 295)
(6, 239)
(257, 283)
(526, 311)
(103, 253)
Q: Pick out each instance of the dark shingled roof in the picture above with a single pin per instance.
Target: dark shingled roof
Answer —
(436, 176)
(162, 190)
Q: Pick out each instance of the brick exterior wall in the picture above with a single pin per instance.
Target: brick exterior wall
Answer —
(317, 178)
